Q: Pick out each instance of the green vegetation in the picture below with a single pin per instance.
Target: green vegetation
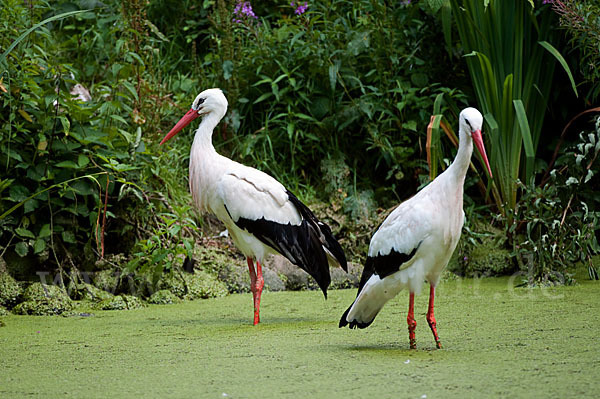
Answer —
(498, 341)
(333, 98)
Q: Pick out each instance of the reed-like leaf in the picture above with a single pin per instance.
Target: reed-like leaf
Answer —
(562, 62)
(526, 134)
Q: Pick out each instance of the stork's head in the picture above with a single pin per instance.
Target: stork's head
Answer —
(470, 122)
(211, 101)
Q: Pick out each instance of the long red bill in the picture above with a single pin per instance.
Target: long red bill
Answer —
(479, 143)
(183, 122)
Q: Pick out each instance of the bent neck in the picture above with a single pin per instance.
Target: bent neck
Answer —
(461, 162)
(203, 137)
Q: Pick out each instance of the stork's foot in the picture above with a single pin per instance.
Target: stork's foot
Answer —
(412, 325)
(432, 325)
(431, 318)
(410, 320)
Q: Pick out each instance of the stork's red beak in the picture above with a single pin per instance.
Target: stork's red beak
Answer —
(183, 122)
(479, 143)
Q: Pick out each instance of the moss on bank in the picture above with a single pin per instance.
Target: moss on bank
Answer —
(42, 299)
(10, 290)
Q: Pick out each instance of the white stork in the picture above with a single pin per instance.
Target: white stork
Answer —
(261, 215)
(415, 242)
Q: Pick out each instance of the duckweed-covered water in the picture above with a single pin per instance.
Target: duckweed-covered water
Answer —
(499, 341)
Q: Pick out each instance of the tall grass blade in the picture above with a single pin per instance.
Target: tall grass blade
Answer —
(552, 50)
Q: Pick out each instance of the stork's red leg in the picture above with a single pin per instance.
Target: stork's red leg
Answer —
(410, 319)
(431, 317)
(256, 286)
(259, 284)
(253, 286)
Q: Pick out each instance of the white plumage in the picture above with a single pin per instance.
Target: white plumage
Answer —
(261, 215)
(416, 241)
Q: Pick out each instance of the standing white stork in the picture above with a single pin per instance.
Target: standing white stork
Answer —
(261, 215)
(415, 242)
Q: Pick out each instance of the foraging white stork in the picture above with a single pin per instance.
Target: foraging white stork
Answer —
(415, 242)
(261, 215)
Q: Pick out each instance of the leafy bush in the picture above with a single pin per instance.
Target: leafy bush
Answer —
(77, 169)
(555, 225)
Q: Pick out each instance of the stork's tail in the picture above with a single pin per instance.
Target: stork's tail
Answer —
(369, 301)
(373, 294)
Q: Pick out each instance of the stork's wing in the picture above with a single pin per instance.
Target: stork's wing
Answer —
(397, 240)
(263, 207)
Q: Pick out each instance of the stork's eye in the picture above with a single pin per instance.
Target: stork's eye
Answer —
(469, 123)
(197, 104)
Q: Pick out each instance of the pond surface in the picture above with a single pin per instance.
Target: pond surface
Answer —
(498, 341)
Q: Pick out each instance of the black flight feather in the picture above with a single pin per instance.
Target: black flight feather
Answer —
(332, 245)
(300, 244)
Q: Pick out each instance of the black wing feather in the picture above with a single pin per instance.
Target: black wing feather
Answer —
(300, 244)
(330, 242)
(384, 265)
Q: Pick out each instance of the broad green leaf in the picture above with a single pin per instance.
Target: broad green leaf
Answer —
(24, 232)
(45, 231)
(68, 236)
(39, 245)
(82, 160)
(21, 249)
(30, 206)
(66, 124)
(18, 192)
(119, 118)
(131, 89)
(67, 164)
(25, 115)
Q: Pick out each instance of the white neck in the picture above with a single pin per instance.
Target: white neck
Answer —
(206, 165)
(463, 157)
(203, 138)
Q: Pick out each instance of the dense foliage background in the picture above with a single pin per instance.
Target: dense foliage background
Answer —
(333, 98)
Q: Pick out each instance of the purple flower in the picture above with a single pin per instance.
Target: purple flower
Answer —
(243, 10)
(300, 8)
(405, 2)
